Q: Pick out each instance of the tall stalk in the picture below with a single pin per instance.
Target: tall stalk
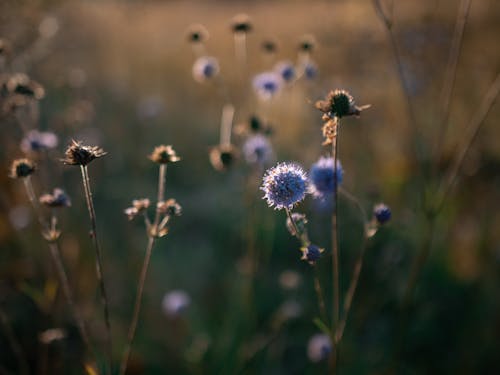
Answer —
(335, 249)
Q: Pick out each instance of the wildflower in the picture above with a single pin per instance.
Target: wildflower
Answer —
(339, 103)
(258, 150)
(310, 70)
(205, 68)
(307, 43)
(58, 198)
(21, 168)
(329, 130)
(382, 213)
(197, 34)
(267, 84)
(311, 253)
(164, 154)
(241, 23)
(269, 46)
(175, 302)
(52, 334)
(222, 157)
(20, 83)
(78, 154)
(36, 141)
(319, 347)
(300, 221)
(286, 70)
(138, 207)
(322, 177)
(284, 185)
(169, 207)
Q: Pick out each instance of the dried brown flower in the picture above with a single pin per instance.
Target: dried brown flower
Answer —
(241, 23)
(20, 83)
(307, 43)
(57, 199)
(169, 207)
(330, 131)
(222, 157)
(269, 46)
(197, 33)
(164, 154)
(21, 168)
(78, 154)
(339, 103)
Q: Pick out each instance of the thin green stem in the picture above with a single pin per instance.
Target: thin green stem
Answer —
(161, 193)
(99, 266)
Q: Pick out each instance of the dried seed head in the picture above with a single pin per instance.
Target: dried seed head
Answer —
(131, 212)
(307, 43)
(197, 33)
(269, 46)
(78, 154)
(339, 103)
(241, 23)
(20, 83)
(164, 154)
(141, 204)
(330, 131)
(223, 157)
(21, 168)
(57, 199)
(169, 207)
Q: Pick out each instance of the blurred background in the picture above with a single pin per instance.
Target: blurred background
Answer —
(118, 74)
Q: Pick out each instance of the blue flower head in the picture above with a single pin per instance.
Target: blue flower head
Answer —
(319, 347)
(258, 150)
(36, 141)
(286, 70)
(310, 70)
(205, 68)
(267, 84)
(322, 177)
(311, 253)
(382, 213)
(284, 185)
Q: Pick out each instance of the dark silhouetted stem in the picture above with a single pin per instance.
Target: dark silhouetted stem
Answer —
(14, 344)
(99, 266)
(320, 296)
(335, 255)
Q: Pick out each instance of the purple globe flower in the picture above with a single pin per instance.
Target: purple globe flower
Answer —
(322, 178)
(175, 302)
(284, 186)
(36, 141)
(382, 213)
(311, 253)
(319, 347)
(258, 150)
(267, 84)
(310, 70)
(205, 68)
(286, 70)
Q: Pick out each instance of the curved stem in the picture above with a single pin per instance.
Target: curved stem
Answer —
(98, 265)
(137, 306)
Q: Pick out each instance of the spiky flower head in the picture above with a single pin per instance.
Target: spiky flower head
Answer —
(241, 23)
(382, 213)
(286, 70)
(267, 85)
(205, 68)
(197, 33)
(311, 253)
(322, 177)
(169, 207)
(258, 150)
(79, 154)
(222, 157)
(36, 141)
(164, 154)
(58, 198)
(284, 185)
(338, 103)
(21, 168)
(319, 347)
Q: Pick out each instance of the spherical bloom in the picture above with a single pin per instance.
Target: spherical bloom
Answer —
(197, 34)
(267, 85)
(78, 154)
(310, 70)
(241, 23)
(57, 199)
(286, 70)
(205, 68)
(311, 253)
(36, 141)
(382, 213)
(322, 177)
(319, 347)
(164, 154)
(175, 302)
(284, 185)
(21, 168)
(258, 150)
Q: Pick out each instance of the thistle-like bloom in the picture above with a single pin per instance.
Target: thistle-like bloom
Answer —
(78, 154)
(205, 68)
(175, 302)
(382, 213)
(286, 70)
(222, 157)
(169, 207)
(284, 186)
(21, 168)
(197, 33)
(322, 176)
(319, 347)
(267, 85)
(58, 198)
(339, 103)
(36, 141)
(164, 155)
(241, 23)
(258, 150)
(311, 253)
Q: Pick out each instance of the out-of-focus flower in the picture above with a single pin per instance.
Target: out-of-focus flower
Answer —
(205, 68)
(258, 150)
(319, 347)
(310, 70)
(36, 141)
(164, 155)
(269, 45)
(175, 302)
(169, 207)
(307, 43)
(241, 23)
(382, 213)
(21, 168)
(311, 253)
(58, 198)
(79, 154)
(197, 33)
(222, 157)
(284, 185)
(322, 177)
(339, 103)
(289, 279)
(286, 70)
(267, 85)
(20, 83)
